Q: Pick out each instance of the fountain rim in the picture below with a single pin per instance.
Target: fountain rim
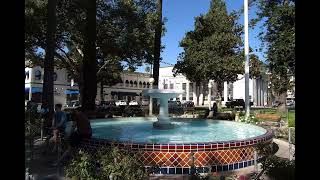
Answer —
(268, 135)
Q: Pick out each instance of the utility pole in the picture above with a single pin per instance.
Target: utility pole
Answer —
(246, 55)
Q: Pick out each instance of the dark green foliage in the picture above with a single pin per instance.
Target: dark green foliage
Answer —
(124, 33)
(275, 167)
(32, 124)
(278, 168)
(120, 164)
(279, 39)
(212, 49)
(81, 167)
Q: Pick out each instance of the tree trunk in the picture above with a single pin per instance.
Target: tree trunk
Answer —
(89, 67)
(219, 94)
(282, 102)
(157, 45)
(101, 92)
(197, 93)
(47, 94)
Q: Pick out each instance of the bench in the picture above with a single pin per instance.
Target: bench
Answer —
(269, 117)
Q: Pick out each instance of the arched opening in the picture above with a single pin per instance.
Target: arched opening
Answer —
(37, 75)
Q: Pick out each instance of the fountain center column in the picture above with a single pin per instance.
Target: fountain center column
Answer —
(163, 112)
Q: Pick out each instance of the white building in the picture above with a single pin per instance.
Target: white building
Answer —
(258, 89)
(62, 85)
(64, 91)
(133, 83)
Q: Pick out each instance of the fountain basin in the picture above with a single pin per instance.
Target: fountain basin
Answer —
(208, 145)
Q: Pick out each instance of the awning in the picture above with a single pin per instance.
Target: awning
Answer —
(33, 89)
(124, 93)
(71, 91)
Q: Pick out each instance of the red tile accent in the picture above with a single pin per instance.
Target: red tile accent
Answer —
(213, 146)
(193, 147)
(164, 147)
(186, 146)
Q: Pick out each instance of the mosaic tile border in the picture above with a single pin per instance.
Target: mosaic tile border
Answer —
(174, 158)
(212, 169)
(188, 147)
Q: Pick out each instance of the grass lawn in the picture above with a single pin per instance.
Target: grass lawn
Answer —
(291, 118)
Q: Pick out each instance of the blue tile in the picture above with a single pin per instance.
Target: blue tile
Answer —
(240, 165)
(249, 163)
(214, 169)
(164, 170)
(225, 168)
(219, 168)
(171, 170)
(206, 170)
(245, 164)
(200, 170)
(192, 170)
(236, 166)
(185, 170)
(230, 167)
(178, 170)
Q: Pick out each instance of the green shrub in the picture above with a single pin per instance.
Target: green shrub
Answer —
(108, 161)
(275, 167)
(278, 168)
(120, 164)
(81, 167)
(32, 124)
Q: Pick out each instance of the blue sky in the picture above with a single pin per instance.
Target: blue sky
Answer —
(180, 16)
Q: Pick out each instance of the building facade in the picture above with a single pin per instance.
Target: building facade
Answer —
(132, 84)
(65, 90)
(258, 89)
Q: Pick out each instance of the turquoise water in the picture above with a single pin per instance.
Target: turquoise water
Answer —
(141, 130)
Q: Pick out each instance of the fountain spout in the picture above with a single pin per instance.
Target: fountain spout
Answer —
(163, 94)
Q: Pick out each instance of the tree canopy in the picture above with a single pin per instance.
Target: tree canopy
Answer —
(213, 49)
(279, 38)
(125, 31)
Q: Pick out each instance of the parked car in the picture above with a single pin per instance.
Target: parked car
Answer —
(290, 102)
(145, 102)
(188, 104)
(106, 104)
(172, 104)
(236, 102)
(121, 103)
(133, 103)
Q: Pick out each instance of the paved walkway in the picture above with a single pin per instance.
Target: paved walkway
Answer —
(41, 166)
(283, 150)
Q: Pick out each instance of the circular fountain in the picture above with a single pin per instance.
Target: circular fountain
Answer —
(163, 94)
(178, 145)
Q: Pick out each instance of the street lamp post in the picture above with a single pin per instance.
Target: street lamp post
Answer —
(246, 52)
(151, 81)
(209, 93)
